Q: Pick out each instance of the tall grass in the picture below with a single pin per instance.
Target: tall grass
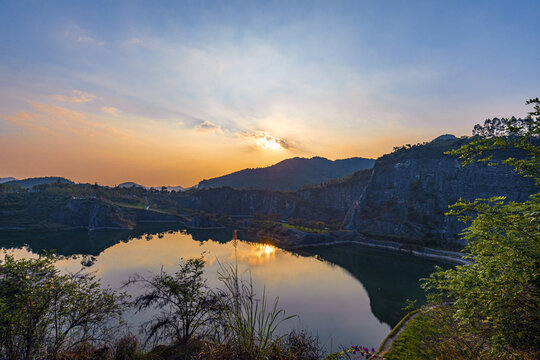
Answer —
(251, 322)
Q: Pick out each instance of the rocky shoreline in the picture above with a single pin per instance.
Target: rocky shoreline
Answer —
(291, 239)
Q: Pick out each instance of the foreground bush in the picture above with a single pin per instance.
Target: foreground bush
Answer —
(496, 298)
(44, 313)
(434, 334)
(187, 307)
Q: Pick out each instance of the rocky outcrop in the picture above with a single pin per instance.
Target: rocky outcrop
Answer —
(327, 201)
(44, 211)
(338, 195)
(249, 202)
(91, 214)
(410, 191)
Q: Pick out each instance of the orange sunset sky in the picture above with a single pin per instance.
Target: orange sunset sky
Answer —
(110, 92)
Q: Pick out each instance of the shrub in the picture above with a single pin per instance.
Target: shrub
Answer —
(188, 308)
(44, 312)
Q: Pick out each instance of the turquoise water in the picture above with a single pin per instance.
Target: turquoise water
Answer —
(345, 294)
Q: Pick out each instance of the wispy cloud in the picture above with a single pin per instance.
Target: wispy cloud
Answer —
(135, 42)
(207, 126)
(74, 32)
(110, 110)
(89, 40)
(51, 119)
(77, 97)
(264, 140)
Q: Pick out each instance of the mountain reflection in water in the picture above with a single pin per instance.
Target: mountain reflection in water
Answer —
(347, 294)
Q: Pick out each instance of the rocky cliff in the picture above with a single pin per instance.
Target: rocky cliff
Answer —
(327, 201)
(58, 211)
(249, 202)
(411, 189)
(338, 195)
(90, 214)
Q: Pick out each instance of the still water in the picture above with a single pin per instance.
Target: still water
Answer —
(345, 294)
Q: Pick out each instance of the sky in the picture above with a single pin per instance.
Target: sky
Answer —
(173, 92)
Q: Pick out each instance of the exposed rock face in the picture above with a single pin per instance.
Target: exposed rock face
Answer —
(52, 211)
(248, 202)
(90, 214)
(411, 189)
(337, 196)
(328, 201)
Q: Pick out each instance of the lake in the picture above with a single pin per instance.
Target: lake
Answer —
(345, 294)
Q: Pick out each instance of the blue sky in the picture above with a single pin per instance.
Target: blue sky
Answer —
(193, 89)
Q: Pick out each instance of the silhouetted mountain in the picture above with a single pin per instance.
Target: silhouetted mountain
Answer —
(290, 174)
(31, 182)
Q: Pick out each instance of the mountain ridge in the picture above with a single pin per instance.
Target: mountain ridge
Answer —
(289, 174)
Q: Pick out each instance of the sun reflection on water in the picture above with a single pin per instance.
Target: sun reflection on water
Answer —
(256, 254)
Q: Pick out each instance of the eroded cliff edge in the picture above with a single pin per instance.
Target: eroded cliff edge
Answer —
(410, 190)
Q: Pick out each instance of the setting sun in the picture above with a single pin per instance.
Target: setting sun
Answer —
(269, 143)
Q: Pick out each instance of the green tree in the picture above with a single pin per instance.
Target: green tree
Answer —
(187, 306)
(497, 295)
(522, 138)
(44, 312)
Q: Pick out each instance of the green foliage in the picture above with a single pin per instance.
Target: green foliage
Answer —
(498, 292)
(434, 334)
(497, 296)
(188, 308)
(44, 312)
(522, 140)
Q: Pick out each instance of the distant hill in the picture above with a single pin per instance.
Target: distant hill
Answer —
(444, 137)
(290, 174)
(175, 188)
(6, 179)
(130, 184)
(31, 182)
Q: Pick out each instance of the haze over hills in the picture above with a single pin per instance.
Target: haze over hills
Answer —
(290, 174)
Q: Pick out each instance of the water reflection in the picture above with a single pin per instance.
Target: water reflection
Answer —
(345, 294)
(389, 278)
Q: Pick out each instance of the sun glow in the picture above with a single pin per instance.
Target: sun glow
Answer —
(257, 254)
(266, 141)
(269, 143)
(269, 249)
